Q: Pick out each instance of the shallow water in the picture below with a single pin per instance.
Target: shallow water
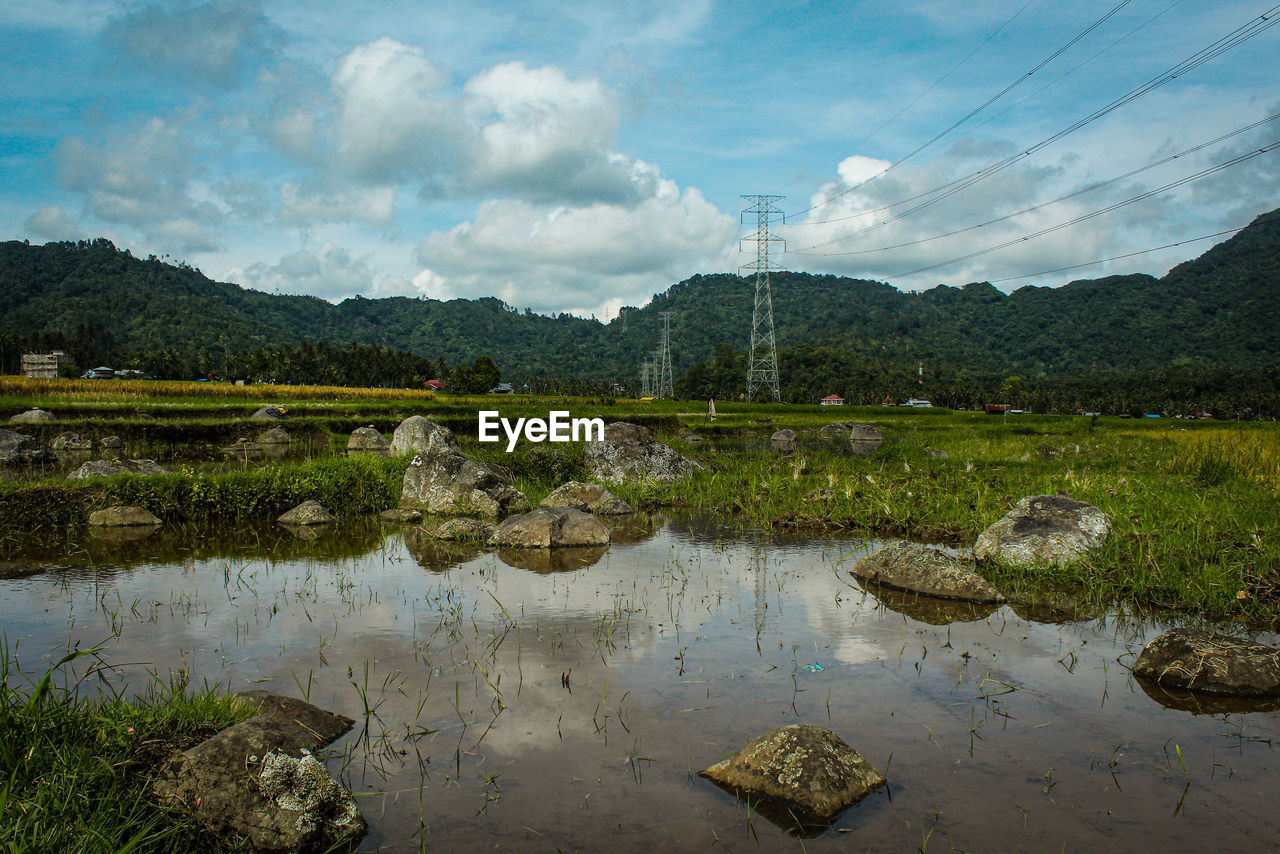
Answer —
(569, 704)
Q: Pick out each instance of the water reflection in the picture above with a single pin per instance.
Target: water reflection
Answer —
(932, 610)
(1198, 703)
(438, 555)
(552, 560)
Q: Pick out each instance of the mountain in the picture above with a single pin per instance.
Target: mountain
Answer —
(1221, 308)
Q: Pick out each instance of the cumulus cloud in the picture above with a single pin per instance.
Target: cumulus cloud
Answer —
(52, 223)
(331, 273)
(200, 42)
(578, 258)
(373, 206)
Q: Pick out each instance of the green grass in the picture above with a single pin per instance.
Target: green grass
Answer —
(75, 773)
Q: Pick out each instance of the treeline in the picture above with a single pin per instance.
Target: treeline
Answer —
(807, 374)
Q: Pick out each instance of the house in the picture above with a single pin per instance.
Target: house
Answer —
(832, 400)
(501, 388)
(435, 385)
(99, 373)
(919, 403)
(43, 366)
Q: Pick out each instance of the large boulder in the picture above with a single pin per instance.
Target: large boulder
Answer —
(463, 529)
(306, 513)
(441, 480)
(864, 440)
(259, 780)
(629, 452)
(273, 436)
(109, 443)
(1045, 529)
(587, 497)
(1211, 663)
(123, 516)
(799, 773)
(415, 432)
(831, 432)
(549, 528)
(21, 450)
(72, 442)
(111, 468)
(367, 440)
(401, 515)
(920, 569)
(33, 416)
(783, 441)
(272, 413)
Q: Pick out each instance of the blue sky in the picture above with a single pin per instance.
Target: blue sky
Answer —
(581, 157)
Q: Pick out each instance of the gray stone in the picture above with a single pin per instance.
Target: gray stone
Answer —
(111, 442)
(274, 436)
(799, 772)
(306, 513)
(783, 441)
(919, 569)
(629, 452)
(550, 527)
(1045, 529)
(587, 497)
(272, 413)
(258, 780)
(864, 440)
(401, 515)
(831, 432)
(464, 529)
(111, 468)
(21, 450)
(71, 442)
(936, 453)
(123, 516)
(442, 480)
(414, 435)
(1211, 663)
(33, 416)
(367, 440)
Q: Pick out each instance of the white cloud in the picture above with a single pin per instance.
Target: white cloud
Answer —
(52, 223)
(331, 273)
(211, 42)
(373, 206)
(581, 258)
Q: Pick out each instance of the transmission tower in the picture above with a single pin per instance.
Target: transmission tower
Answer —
(646, 384)
(762, 367)
(655, 373)
(665, 388)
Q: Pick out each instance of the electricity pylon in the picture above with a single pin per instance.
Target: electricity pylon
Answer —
(762, 366)
(665, 387)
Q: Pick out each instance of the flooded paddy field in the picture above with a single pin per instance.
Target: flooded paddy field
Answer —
(566, 701)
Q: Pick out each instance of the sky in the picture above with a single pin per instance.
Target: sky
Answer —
(579, 157)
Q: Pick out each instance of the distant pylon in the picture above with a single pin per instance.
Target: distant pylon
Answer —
(762, 366)
(665, 387)
(646, 382)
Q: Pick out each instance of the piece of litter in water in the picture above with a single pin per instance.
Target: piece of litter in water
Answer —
(812, 668)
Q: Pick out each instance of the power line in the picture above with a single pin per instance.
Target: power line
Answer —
(1236, 37)
(1117, 257)
(1017, 82)
(1149, 193)
(1097, 186)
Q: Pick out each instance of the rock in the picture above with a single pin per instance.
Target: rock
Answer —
(273, 436)
(401, 515)
(587, 497)
(33, 416)
(783, 441)
(442, 480)
(438, 555)
(71, 442)
(1211, 663)
(550, 528)
(244, 450)
(936, 453)
(111, 468)
(21, 569)
(110, 442)
(798, 773)
(629, 452)
(864, 440)
(118, 536)
(464, 529)
(22, 450)
(258, 780)
(567, 559)
(272, 413)
(690, 438)
(123, 516)
(306, 513)
(414, 435)
(919, 569)
(1045, 529)
(831, 432)
(820, 495)
(367, 440)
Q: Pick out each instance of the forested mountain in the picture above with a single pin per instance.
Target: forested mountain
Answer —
(1222, 308)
